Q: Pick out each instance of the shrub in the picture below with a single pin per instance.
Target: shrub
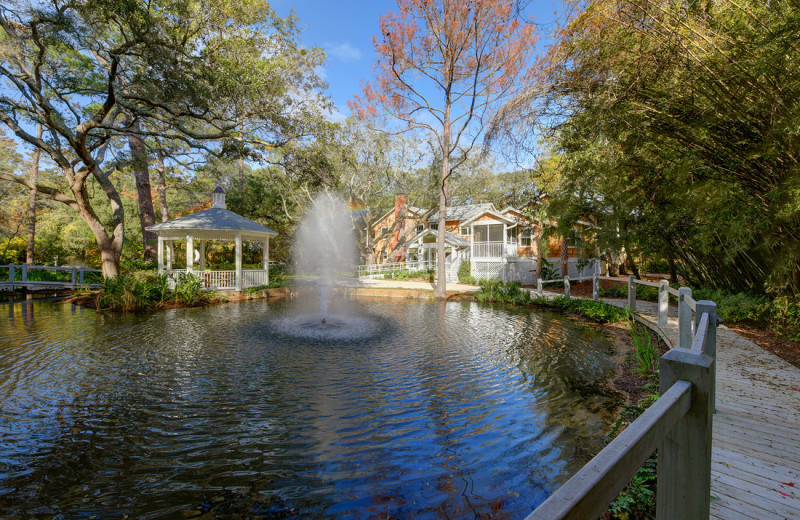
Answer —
(599, 312)
(645, 351)
(189, 290)
(464, 271)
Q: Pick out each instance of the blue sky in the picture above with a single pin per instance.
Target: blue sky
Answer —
(344, 28)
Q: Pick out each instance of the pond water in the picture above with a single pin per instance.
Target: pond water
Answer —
(453, 410)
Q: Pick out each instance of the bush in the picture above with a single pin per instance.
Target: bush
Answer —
(495, 291)
(599, 312)
(189, 290)
(464, 271)
(127, 293)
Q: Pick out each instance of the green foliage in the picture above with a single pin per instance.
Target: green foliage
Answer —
(495, 291)
(464, 275)
(405, 275)
(599, 312)
(638, 499)
(133, 292)
(646, 143)
(189, 290)
(645, 351)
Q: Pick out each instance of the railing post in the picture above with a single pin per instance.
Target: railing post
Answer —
(684, 318)
(81, 275)
(539, 289)
(710, 345)
(663, 304)
(74, 275)
(631, 294)
(11, 273)
(595, 287)
(566, 287)
(684, 457)
(24, 272)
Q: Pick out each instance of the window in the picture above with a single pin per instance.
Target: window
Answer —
(526, 238)
(481, 233)
(420, 228)
(496, 233)
(511, 235)
(465, 231)
(434, 226)
(384, 230)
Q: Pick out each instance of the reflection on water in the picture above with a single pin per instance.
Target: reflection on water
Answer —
(447, 411)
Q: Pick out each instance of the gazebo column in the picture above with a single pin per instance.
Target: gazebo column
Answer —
(238, 262)
(170, 255)
(266, 259)
(189, 253)
(202, 255)
(160, 255)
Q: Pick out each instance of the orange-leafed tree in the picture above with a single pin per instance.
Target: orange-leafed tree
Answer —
(445, 67)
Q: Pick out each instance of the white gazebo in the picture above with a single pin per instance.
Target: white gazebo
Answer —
(216, 223)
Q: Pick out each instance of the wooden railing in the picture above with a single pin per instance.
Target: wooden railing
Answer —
(488, 249)
(78, 274)
(678, 424)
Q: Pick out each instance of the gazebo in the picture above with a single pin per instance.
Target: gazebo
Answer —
(216, 223)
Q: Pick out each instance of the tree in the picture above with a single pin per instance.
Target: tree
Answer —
(87, 70)
(34, 178)
(445, 66)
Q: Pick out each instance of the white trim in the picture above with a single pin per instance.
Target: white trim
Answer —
(487, 212)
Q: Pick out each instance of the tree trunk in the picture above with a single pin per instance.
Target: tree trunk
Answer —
(162, 186)
(539, 253)
(141, 173)
(673, 269)
(441, 279)
(633, 266)
(110, 247)
(564, 257)
(29, 257)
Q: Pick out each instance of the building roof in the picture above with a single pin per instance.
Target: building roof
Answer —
(449, 238)
(211, 220)
(491, 212)
(463, 212)
(413, 209)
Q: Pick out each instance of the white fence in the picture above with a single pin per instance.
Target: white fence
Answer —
(487, 249)
(223, 280)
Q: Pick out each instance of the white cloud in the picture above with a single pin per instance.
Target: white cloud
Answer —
(343, 51)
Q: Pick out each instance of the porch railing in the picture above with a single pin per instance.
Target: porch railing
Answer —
(382, 270)
(488, 249)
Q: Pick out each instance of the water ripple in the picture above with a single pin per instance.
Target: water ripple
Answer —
(410, 409)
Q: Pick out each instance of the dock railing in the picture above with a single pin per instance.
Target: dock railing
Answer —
(78, 275)
(678, 424)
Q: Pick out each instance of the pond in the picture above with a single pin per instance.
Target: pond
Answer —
(453, 410)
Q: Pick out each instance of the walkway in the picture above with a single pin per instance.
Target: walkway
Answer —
(755, 459)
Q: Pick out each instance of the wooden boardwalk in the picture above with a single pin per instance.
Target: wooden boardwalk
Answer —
(755, 458)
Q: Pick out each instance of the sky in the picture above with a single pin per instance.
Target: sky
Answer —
(344, 28)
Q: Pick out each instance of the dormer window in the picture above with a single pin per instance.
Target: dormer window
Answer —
(465, 231)
(434, 226)
(420, 228)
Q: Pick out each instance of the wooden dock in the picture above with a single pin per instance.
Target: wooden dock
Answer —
(755, 472)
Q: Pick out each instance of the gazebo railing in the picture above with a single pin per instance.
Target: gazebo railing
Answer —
(254, 277)
(223, 280)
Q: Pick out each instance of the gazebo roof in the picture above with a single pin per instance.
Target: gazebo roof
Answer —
(212, 221)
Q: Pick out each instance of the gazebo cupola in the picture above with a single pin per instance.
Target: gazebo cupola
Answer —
(216, 223)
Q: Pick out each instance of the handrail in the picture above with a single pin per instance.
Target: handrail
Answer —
(691, 303)
(52, 268)
(588, 493)
(645, 282)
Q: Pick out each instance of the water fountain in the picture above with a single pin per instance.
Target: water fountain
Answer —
(325, 257)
